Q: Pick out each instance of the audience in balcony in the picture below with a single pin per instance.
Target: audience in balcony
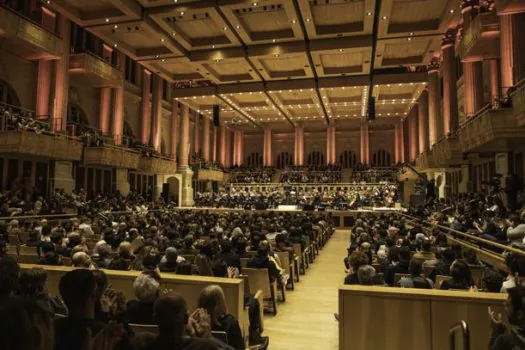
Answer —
(15, 119)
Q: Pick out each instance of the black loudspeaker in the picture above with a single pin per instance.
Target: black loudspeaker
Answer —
(216, 115)
(371, 108)
(166, 192)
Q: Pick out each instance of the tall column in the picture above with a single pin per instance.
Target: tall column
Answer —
(494, 83)
(299, 146)
(206, 139)
(174, 128)
(267, 149)
(118, 105)
(396, 143)
(104, 112)
(422, 121)
(196, 134)
(330, 144)
(62, 78)
(512, 49)
(365, 146)
(473, 80)
(184, 137)
(222, 145)
(413, 140)
(472, 71)
(450, 93)
(238, 147)
(215, 146)
(156, 112)
(228, 148)
(145, 107)
(433, 102)
(43, 92)
(183, 168)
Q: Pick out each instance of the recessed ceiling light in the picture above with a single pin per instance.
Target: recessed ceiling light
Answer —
(255, 4)
(173, 34)
(409, 39)
(163, 60)
(452, 11)
(411, 33)
(162, 40)
(213, 46)
(115, 26)
(107, 20)
(115, 45)
(276, 55)
(308, 20)
(273, 40)
(369, 13)
(341, 50)
(48, 2)
(385, 17)
(238, 26)
(225, 28)
(294, 21)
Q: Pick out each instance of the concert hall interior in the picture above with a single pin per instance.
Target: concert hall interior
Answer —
(262, 174)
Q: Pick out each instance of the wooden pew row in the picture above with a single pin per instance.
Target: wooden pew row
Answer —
(187, 286)
(374, 317)
(491, 258)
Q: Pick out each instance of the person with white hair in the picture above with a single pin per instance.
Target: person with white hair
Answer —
(146, 290)
(82, 259)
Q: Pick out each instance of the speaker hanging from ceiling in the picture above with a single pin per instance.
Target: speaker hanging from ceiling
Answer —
(371, 108)
(216, 115)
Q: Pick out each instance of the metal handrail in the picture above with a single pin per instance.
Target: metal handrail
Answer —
(461, 325)
(469, 236)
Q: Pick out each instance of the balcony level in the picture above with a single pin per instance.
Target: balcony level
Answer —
(157, 165)
(425, 161)
(95, 70)
(518, 104)
(108, 155)
(25, 37)
(447, 152)
(481, 39)
(491, 131)
(510, 6)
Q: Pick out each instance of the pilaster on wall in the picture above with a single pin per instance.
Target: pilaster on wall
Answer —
(61, 89)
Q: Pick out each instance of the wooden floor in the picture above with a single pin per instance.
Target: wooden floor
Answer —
(306, 319)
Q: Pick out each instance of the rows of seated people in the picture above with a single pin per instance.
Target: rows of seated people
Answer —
(480, 214)
(384, 195)
(184, 243)
(17, 120)
(330, 173)
(393, 251)
(247, 174)
(374, 175)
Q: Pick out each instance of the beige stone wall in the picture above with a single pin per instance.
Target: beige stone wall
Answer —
(21, 75)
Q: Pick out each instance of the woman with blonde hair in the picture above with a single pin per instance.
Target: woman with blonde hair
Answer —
(212, 300)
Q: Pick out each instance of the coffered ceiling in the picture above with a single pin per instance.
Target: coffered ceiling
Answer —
(278, 62)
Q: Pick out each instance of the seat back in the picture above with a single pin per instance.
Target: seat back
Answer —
(142, 328)
(439, 281)
(14, 240)
(284, 257)
(246, 280)
(25, 250)
(67, 261)
(477, 275)
(189, 257)
(259, 279)
(244, 262)
(222, 336)
(398, 276)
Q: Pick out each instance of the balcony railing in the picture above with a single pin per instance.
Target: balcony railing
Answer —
(425, 161)
(490, 130)
(473, 43)
(518, 103)
(28, 38)
(101, 72)
(447, 152)
(157, 165)
(107, 155)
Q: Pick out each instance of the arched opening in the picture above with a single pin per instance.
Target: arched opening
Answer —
(77, 122)
(174, 190)
(284, 159)
(254, 159)
(348, 159)
(8, 94)
(381, 158)
(315, 158)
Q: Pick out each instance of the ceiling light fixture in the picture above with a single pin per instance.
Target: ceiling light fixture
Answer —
(225, 28)
(107, 20)
(255, 4)
(182, 13)
(369, 13)
(452, 11)
(385, 17)
(308, 20)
